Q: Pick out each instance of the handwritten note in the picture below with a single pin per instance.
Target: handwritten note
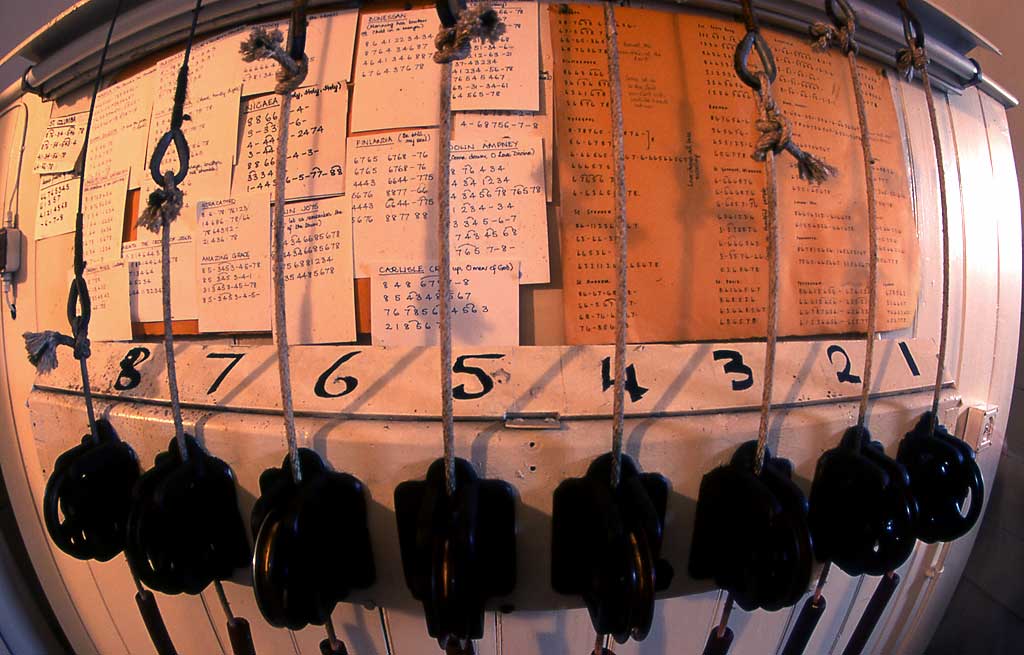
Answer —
(330, 42)
(316, 143)
(108, 291)
(214, 65)
(498, 206)
(233, 264)
(62, 144)
(146, 284)
(103, 205)
(58, 205)
(502, 75)
(392, 184)
(212, 132)
(120, 129)
(405, 304)
(397, 83)
(694, 187)
(319, 288)
(496, 124)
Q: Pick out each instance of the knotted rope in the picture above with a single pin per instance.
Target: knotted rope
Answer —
(843, 33)
(294, 66)
(42, 346)
(776, 135)
(480, 21)
(914, 58)
(262, 44)
(453, 42)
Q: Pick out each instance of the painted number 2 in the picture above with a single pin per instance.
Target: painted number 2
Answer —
(844, 375)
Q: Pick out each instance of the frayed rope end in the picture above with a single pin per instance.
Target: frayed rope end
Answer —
(163, 206)
(480, 21)
(261, 44)
(814, 170)
(42, 348)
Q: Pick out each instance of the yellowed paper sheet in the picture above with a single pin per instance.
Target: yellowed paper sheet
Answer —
(470, 125)
(392, 184)
(318, 279)
(316, 143)
(330, 42)
(58, 204)
(397, 83)
(212, 135)
(62, 144)
(233, 263)
(146, 285)
(103, 204)
(120, 129)
(502, 75)
(405, 304)
(498, 205)
(695, 210)
(108, 292)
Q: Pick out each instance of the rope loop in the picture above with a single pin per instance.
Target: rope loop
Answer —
(79, 315)
(264, 44)
(480, 21)
(754, 42)
(177, 137)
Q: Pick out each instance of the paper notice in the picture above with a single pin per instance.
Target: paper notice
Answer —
(473, 125)
(120, 129)
(233, 264)
(330, 42)
(316, 143)
(318, 285)
(397, 83)
(498, 206)
(392, 184)
(212, 134)
(58, 204)
(405, 304)
(62, 144)
(103, 205)
(108, 291)
(214, 65)
(693, 186)
(502, 75)
(146, 285)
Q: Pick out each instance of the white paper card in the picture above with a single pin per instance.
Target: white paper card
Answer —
(392, 183)
(397, 83)
(120, 129)
(62, 144)
(470, 125)
(58, 204)
(405, 304)
(233, 264)
(319, 285)
(506, 74)
(330, 42)
(146, 285)
(498, 205)
(108, 291)
(103, 205)
(316, 143)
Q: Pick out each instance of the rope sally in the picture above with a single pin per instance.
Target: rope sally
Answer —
(86, 502)
(456, 530)
(729, 516)
(607, 526)
(312, 541)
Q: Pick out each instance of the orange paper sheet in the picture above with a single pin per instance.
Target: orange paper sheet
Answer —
(697, 244)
